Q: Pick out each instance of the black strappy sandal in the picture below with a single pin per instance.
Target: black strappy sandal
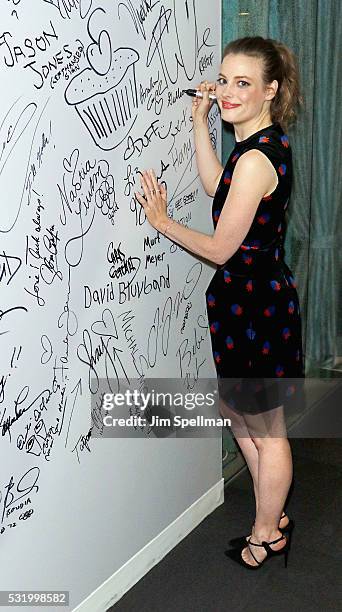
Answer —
(235, 554)
(242, 541)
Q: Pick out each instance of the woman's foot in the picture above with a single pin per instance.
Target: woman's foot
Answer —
(259, 552)
(284, 521)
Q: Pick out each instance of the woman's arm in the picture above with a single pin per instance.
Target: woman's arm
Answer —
(253, 177)
(208, 164)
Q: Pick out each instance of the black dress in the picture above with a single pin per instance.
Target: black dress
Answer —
(252, 302)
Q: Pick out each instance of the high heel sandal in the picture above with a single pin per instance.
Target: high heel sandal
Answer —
(235, 554)
(242, 541)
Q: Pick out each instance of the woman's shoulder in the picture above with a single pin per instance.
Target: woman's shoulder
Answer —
(271, 140)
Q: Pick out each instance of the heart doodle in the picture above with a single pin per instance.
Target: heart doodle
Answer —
(100, 54)
(159, 105)
(47, 349)
(70, 164)
(130, 149)
(106, 326)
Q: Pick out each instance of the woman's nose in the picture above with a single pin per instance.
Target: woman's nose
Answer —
(226, 90)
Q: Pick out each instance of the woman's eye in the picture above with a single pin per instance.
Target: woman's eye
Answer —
(222, 81)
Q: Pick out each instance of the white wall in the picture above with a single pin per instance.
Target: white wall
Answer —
(74, 131)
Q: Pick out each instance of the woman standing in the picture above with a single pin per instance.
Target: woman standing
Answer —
(252, 302)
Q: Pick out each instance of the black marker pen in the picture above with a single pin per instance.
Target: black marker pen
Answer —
(195, 93)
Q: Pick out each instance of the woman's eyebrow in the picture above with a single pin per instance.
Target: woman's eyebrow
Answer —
(237, 77)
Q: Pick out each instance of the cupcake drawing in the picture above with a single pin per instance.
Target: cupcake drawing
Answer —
(105, 94)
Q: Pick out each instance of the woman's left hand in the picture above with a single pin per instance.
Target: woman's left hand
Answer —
(155, 201)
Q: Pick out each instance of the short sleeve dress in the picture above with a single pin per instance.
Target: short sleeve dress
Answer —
(252, 303)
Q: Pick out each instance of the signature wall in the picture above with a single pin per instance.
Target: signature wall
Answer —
(90, 294)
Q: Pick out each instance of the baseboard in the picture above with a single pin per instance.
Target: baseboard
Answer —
(131, 572)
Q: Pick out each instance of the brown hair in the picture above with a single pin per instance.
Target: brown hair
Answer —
(280, 64)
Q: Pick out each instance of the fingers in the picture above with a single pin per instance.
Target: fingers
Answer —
(163, 192)
(153, 178)
(195, 103)
(205, 88)
(142, 201)
(152, 183)
(210, 86)
(151, 186)
(147, 187)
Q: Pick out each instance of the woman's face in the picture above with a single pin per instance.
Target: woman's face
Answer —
(240, 90)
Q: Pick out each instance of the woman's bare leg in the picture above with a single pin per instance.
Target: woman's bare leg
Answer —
(248, 448)
(251, 456)
(275, 471)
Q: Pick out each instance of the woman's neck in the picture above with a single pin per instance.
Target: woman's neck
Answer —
(243, 131)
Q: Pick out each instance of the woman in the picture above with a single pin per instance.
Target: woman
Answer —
(252, 303)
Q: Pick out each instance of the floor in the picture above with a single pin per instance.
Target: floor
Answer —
(196, 575)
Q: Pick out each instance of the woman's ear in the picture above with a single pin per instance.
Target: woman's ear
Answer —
(271, 90)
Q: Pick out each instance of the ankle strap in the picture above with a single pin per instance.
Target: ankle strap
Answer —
(274, 541)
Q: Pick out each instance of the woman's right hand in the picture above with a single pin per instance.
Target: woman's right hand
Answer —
(201, 106)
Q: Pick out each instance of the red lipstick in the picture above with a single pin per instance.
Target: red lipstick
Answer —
(227, 105)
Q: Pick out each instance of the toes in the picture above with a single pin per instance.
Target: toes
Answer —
(247, 557)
